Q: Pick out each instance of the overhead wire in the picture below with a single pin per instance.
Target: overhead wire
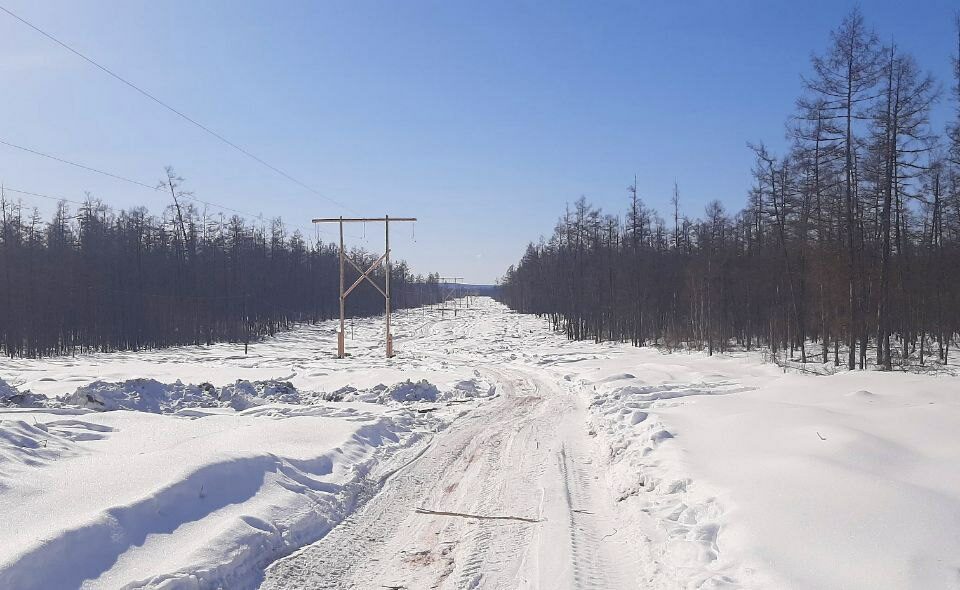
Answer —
(78, 165)
(180, 114)
(247, 216)
(41, 195)
(132, 181)
(177, 112)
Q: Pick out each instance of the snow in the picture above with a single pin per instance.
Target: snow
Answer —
(405, 391)
(420, 391)
(6, 392)
(118, 497)
(207, 470)
(755, 478)
(199, 467)
(11, 397)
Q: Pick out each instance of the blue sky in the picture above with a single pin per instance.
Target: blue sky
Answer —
(481, 118)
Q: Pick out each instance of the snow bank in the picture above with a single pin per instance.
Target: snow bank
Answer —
(217, 463)
(147, 497)
(244, 394)
(405, 391)
(472, 388)
(648, 475)
(736, 475)
(6, 391)
(10, 397)
(409, 391)
(131, 498)
(144, 395)
(149, 395)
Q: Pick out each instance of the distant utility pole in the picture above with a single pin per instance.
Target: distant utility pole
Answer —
(450, 293)
(365, 275)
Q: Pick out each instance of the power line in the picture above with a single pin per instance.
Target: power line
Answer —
(175, 111)
(41, 195)
(127, 180)
(249, 217)
(78, 165)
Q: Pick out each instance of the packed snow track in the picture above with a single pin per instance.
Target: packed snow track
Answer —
(506, 499)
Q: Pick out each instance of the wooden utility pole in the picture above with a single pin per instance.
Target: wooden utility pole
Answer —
(450, 293)
(364, 274)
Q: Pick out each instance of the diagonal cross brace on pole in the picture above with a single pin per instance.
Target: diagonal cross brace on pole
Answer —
(365, 275)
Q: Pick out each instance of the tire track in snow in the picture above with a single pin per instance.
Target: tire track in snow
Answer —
(468, 457)
(525, 454)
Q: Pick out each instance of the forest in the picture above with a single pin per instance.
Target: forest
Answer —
(95, 279)
(846, 251)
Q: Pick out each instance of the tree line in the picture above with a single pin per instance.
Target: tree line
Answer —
(100, 280)
(846, 251)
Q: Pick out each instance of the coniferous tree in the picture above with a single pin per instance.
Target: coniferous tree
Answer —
(100, 281)
(847, 241)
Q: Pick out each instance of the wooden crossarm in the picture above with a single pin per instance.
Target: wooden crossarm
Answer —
(360, 219)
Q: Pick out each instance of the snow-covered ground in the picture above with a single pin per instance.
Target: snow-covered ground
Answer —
(200, 478)
(490, 453)
(748, 477)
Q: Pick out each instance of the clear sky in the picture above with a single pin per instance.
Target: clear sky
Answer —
(481, 118)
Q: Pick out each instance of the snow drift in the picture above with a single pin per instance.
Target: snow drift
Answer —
(10, 397)
(737, 475)
(211, 501)
(149, 395)
(212, 483)
(196, 478)
(412, 392)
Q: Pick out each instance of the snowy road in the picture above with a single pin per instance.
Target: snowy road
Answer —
(507, 499)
